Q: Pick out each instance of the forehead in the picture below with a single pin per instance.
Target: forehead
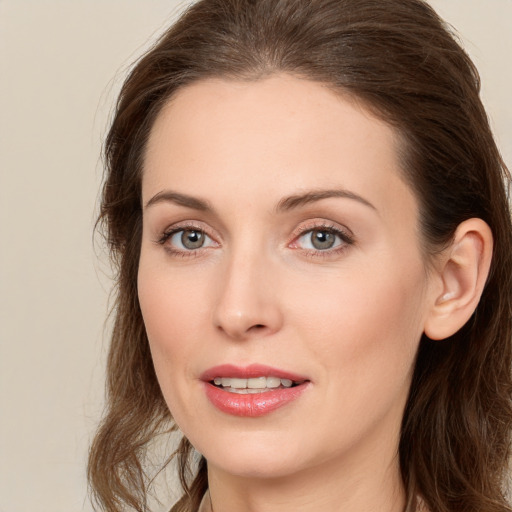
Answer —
(270, 136)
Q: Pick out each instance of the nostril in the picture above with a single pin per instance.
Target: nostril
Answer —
(257, 327)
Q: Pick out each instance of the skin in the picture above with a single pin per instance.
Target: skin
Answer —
(348, 318)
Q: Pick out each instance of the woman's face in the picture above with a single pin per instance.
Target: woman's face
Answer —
(280, 247)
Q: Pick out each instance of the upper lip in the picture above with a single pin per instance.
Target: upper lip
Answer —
(250, 371)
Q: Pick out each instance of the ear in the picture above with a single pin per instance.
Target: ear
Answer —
(460, 278)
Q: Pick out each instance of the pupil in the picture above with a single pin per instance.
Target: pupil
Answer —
(192, 239)
(322, 239)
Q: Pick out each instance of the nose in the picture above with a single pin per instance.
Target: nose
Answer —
(247, 304)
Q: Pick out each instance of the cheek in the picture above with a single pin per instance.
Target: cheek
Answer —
(172, 298)
(364, 326)
(173, 308)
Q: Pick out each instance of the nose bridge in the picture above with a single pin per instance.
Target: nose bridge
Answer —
(247, 304)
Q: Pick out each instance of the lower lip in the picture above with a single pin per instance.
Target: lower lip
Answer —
(252, 405)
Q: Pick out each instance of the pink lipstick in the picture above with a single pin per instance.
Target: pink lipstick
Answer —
(253, 390)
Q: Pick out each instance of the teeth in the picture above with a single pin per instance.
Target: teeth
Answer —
(252, 385)
(273, 382)
(234, 383)
(246, 391)
(257, 383)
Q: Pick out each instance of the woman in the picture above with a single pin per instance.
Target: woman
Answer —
(309, 218)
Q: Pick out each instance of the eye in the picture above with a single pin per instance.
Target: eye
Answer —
(323, 239)
(189, 239)
(186, 239)
(320, 239)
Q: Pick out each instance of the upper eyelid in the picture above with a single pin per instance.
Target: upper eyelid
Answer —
(322, 224)
(190, 224)
(339, 232)
(344, 238)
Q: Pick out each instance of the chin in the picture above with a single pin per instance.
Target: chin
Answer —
(277, 466)
(260, 456)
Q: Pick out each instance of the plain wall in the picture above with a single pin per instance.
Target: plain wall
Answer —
(61, 64)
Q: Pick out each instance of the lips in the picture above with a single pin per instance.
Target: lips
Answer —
(253, 390)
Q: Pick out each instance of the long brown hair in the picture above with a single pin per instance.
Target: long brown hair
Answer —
(402, 62)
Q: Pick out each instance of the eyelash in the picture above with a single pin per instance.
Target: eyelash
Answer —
(344, 236)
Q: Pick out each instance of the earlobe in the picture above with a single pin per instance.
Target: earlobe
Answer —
(462, 272)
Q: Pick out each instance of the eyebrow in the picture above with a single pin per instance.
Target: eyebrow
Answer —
(180, 199)
(296, 201)
(285, 204)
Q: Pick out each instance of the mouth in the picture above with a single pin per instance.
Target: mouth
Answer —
(254, 390)
(253, 385)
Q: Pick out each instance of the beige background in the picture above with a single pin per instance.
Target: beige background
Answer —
(61, 63)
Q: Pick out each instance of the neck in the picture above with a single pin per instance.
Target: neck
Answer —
(376, 488)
